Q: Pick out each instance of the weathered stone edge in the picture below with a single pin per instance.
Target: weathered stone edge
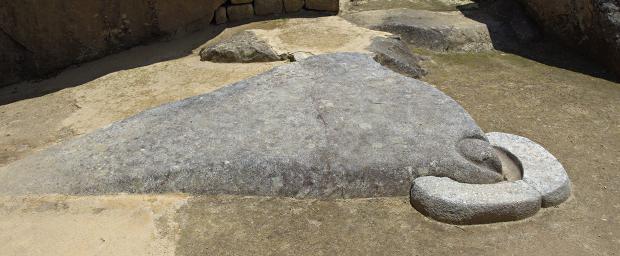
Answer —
(541, 169)
(544, 184)
(446, 200)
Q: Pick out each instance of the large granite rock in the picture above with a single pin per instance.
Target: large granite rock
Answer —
(544, 183)
(336, 125)
(593, 27)
(541, 170)
(449, 201)
(395, 55)
(439, 31)
(40, 37)
(243, 47)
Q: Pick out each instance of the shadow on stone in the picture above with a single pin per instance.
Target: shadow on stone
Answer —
(163, 49)
(518, 34)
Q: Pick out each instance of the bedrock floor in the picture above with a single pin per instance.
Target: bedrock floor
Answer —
(572, 114)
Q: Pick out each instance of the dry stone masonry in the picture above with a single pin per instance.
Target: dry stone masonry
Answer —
(322, 5)
(39, 38)
(239, 10)
(293, 5)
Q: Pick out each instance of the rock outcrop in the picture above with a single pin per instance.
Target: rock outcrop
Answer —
(439, 31)
(38, 38)
(395, 55)
(590, 26)
(335, 125)
(480, 27)
(244, 47)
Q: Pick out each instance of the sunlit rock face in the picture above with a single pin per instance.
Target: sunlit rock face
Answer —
(335, 125)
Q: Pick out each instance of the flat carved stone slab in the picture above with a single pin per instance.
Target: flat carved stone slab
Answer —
(330, 126)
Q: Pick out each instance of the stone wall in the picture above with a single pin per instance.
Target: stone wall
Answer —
(591, 26)
(40, 37)
(239, 10)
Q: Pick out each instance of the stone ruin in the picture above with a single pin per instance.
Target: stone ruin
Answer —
(41, 38)
(331, 126)
(239, 10)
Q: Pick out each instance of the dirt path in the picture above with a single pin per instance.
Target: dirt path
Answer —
(104, 225)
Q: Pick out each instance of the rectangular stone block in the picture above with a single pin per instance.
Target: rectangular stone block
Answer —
(220, 15)
(268, 7)
(293, 5)
(323, 5)
(240, 12)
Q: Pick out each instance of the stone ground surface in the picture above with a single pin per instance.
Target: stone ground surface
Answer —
(440, 31)
(332, 126)
(571, 113)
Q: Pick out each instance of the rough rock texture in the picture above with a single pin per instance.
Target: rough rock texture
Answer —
(293, 5)
(240, 12)
(336, 125)
(241, 1)
(544, 184)
(440, 31)
(14, 59)
(394, 54)
(515, 17)
(268, 7)
(299, 56)
(39, 37)
(220, 15)
(323, 5)
(243, 47)
(541, 170)
(591, 26)
(449, 201)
